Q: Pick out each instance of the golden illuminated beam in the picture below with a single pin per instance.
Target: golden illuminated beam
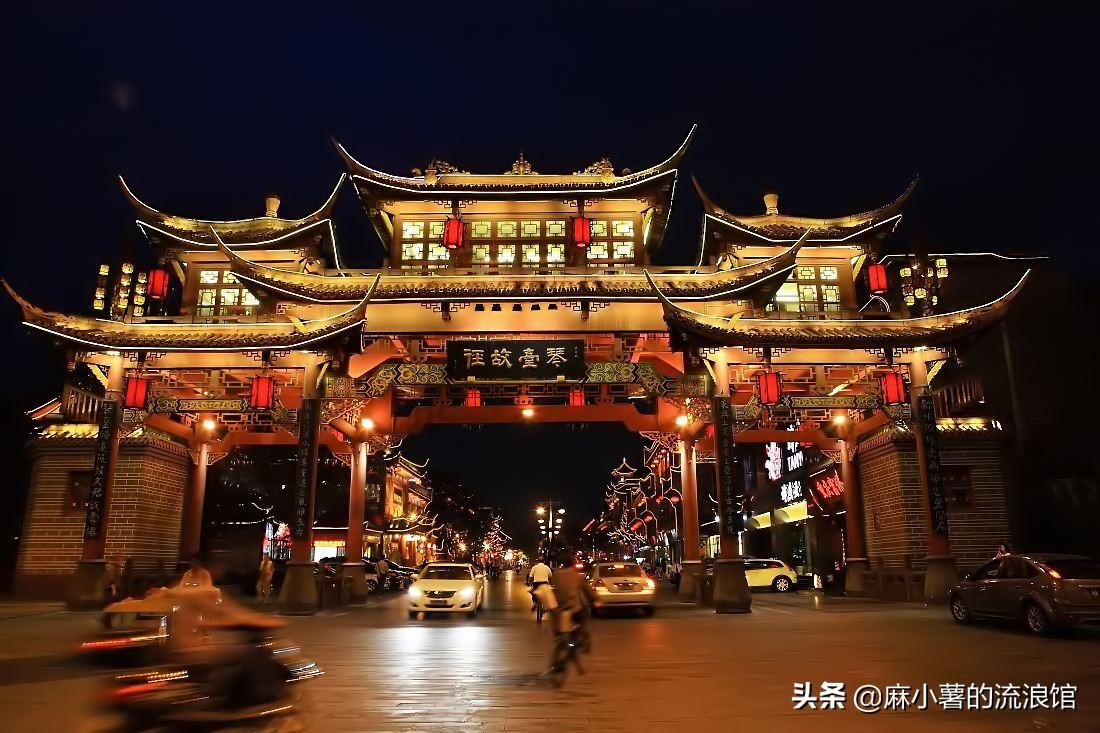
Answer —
(927, 331)
(738, 282)
(95, 334)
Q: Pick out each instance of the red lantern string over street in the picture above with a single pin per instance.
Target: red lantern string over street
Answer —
(473, 397)
(576, 397)
(136, 393)
(876, 279)
(770, 387)
(453, 232)
(893, 389)
(262, 395)
(157, 287)
(582, 231)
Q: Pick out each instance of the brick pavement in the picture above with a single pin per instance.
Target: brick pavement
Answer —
(686, 669)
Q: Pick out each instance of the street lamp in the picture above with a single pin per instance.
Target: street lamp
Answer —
(367, 423)
(682, 421)
(540, 510)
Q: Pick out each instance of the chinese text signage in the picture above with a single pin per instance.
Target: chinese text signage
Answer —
(305, 468)
(519, 360)
(937, 501)
(101, 468)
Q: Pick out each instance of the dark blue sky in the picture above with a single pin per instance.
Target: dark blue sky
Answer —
(206, 107)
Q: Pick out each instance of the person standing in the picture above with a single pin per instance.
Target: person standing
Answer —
(263, 582)
(383, 567)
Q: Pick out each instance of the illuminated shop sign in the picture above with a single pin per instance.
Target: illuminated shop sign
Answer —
(521, 360)
(828, 485)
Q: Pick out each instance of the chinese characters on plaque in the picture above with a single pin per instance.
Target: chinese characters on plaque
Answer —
(730, 487)
(520, 360)
(937, 500)
(305, 468)
(101, 467)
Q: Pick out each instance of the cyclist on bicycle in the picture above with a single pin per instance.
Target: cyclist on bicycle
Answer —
(572, 592)
(539, 574)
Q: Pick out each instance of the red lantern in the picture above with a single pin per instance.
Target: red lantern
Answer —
(770, 386)
(136, 393)
(157, 287)
(893, 389)
(876, 279)
(473, 397)
(582, 231)
(453, 231)
(262, 396)
(576, 397)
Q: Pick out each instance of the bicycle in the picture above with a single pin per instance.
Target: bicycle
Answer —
(568, 646)
(539, 611)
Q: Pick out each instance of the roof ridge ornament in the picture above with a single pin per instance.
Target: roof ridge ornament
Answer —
(602, 168)
(521, 167)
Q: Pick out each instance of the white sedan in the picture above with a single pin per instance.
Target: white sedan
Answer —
(446, 587)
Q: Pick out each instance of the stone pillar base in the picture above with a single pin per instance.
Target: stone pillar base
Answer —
(689, 579)
(86, 591)
(854, 576)
(298, 596)
(358, 581)
(940, 576)
(731, 590)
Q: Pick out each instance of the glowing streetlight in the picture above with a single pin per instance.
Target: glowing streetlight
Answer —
(540, 510)
(367, 423)
(209, 425)
(561, 511)
(840, 419)
(528, 412)
(682, 421)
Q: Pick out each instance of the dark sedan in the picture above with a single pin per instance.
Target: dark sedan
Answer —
(1046, 591)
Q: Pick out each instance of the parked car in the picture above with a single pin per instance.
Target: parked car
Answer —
(1046, 591)
(446, 587)
(622, 585)
(333, 565)
(769, 573)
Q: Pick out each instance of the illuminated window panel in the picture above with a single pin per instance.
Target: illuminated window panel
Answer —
(786, 298)
(248, 298)
(599, 228)
(437, 252)
(209, 277)
(555, 228)
(531, 253)
(597, 251)
(807, 297)
(829, 272)
(412, 230)
(479, 253)
(506, 255)
(229, 278)
(555, 252)
(622, 228)
(481, 229)
(207, 297)
(230, 296)
(806, 272)
(412, 250)
(624, 250)
(506, 228)
(435, 229)
(830, 294)
(530, 228)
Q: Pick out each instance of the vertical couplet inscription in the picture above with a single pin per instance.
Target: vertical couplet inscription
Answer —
(937, 501)
(101, 468)
(726, 460)
(305, 468)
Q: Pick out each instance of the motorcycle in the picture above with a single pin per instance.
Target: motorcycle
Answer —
(255, 686)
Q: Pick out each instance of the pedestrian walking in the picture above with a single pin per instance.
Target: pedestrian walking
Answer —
(263, 582)
(383, 567)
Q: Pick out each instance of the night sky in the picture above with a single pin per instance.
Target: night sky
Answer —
(837, 107)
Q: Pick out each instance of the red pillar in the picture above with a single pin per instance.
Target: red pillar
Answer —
(298, 595)
(854, 532)
(191, 529)
(356, 499)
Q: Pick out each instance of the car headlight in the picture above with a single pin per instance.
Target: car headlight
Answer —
(466, 594)
(650, 584)
(414, 592)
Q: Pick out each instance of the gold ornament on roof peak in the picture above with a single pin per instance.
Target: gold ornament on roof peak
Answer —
(443, 167)
(602, 168)
(522, 167)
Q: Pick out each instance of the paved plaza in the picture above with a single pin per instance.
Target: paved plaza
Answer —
(683, 669)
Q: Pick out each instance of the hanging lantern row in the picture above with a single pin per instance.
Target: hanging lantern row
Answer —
(892, 388)
(136, 394)
(262, 394)
(921, 281)
(877, 280)
(769, 386)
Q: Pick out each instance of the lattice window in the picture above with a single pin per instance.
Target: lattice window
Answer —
(829, 272)
(412, 230)
(532, 254)
(530, 229)
(624, 250)
(621, 228)
(598, 251)
(812, 289)
(507, 229)
(555, 229)
(599, 228)
(481, 229)
(555, 252)
(437, 253)
(228, 299)
(480, 253)
(506, 254)
(412, 251)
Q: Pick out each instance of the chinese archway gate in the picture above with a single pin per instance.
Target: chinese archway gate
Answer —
(501, 298)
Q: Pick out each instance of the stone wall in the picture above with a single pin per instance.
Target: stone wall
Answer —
(893, 504)
(145, 513)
